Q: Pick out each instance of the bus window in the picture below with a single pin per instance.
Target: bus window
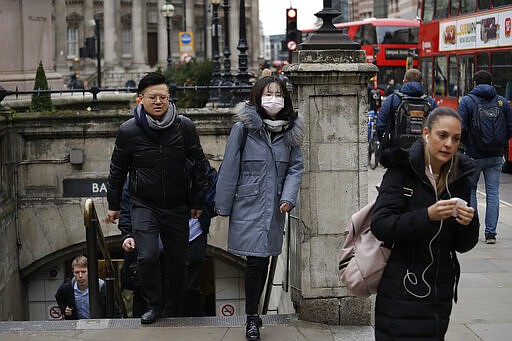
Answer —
(454, 8)
(467, 6)
(482, 61)
(502, 73)
(497, 3)
(440, 67)
(466, 66)
(428, 10)
(369, 36)
(397, 35)
(426, 72)
(452, 76)
(441, 9)
(359, 34)
(484, 4)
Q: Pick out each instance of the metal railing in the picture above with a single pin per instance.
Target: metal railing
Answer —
(96, 241)
(224, 95)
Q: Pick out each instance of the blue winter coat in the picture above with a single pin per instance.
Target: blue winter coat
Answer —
(485, 93)
(250, 192)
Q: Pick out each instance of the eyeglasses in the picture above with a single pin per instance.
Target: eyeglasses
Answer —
(154, 97)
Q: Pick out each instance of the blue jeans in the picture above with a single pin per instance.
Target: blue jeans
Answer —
(491, 167)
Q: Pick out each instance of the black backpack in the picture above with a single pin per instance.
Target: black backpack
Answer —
(406, 125)
(488, 130)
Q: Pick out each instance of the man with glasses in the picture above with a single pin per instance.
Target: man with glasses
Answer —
(168, 182)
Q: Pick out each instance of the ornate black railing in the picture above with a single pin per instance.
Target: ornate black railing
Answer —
(229, 95)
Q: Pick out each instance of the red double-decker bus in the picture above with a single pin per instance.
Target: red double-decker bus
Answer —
(387, 42)
(458, 38)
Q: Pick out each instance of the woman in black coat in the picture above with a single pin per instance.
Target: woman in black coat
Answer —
(417, 212)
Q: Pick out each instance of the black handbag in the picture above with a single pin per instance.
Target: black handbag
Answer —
(130, 275)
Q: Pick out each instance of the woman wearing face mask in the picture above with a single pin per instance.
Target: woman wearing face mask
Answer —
(256, 190)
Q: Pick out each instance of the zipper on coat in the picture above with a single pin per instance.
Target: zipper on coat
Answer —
(162, 173)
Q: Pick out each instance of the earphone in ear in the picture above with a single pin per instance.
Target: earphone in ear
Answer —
(426, 138)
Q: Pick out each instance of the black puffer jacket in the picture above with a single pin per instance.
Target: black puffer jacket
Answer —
(161, 165)
(403, 221)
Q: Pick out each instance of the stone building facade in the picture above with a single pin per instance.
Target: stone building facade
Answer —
(405, 9)
(133, 36)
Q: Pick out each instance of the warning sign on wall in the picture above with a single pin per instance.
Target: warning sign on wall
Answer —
(54, 313)
(227, 310)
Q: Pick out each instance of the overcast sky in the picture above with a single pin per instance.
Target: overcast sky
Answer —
(273, 14)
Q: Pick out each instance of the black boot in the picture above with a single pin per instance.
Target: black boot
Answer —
(252, 328)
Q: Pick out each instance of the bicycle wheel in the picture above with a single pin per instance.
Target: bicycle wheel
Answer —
(373, 147)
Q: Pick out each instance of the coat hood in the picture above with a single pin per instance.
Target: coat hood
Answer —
(250, 118)
(412, 89)
(484, 91)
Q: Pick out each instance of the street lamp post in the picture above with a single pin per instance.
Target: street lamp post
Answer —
(215, 81)
(227, 77)
(167, 11)
(215, 41)
(243, 75)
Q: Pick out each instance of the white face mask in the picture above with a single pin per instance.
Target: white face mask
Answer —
(272, 105)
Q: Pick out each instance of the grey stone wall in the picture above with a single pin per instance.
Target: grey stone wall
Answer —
(38, 223)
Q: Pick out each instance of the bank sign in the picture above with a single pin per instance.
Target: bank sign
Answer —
(474, 32)
(84, 187)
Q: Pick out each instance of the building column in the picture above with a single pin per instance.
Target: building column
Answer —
(138, 24)
(162, 36)
(60, 36)
(88, 10)
(256, 56)
(88, 16)
(329, 91)
(110, 13)
(234, 33)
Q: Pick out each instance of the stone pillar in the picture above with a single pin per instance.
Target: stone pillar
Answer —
(61, 52)
(28, 39)
(111, 11)
(234, 33)
(88, 16)
(162, 36)
(88, 10)
(138, 24)
(329, 89)
(190, 16)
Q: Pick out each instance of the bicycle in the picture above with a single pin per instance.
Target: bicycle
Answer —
(373, 141)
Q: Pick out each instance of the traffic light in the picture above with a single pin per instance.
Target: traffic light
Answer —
(293, 35)
(89, 50)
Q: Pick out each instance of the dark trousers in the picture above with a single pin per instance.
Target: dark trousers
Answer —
(192, 296)
(255, 277)
(171, 224)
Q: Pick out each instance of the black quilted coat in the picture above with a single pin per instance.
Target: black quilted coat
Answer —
(404, 310)
(167, 168)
